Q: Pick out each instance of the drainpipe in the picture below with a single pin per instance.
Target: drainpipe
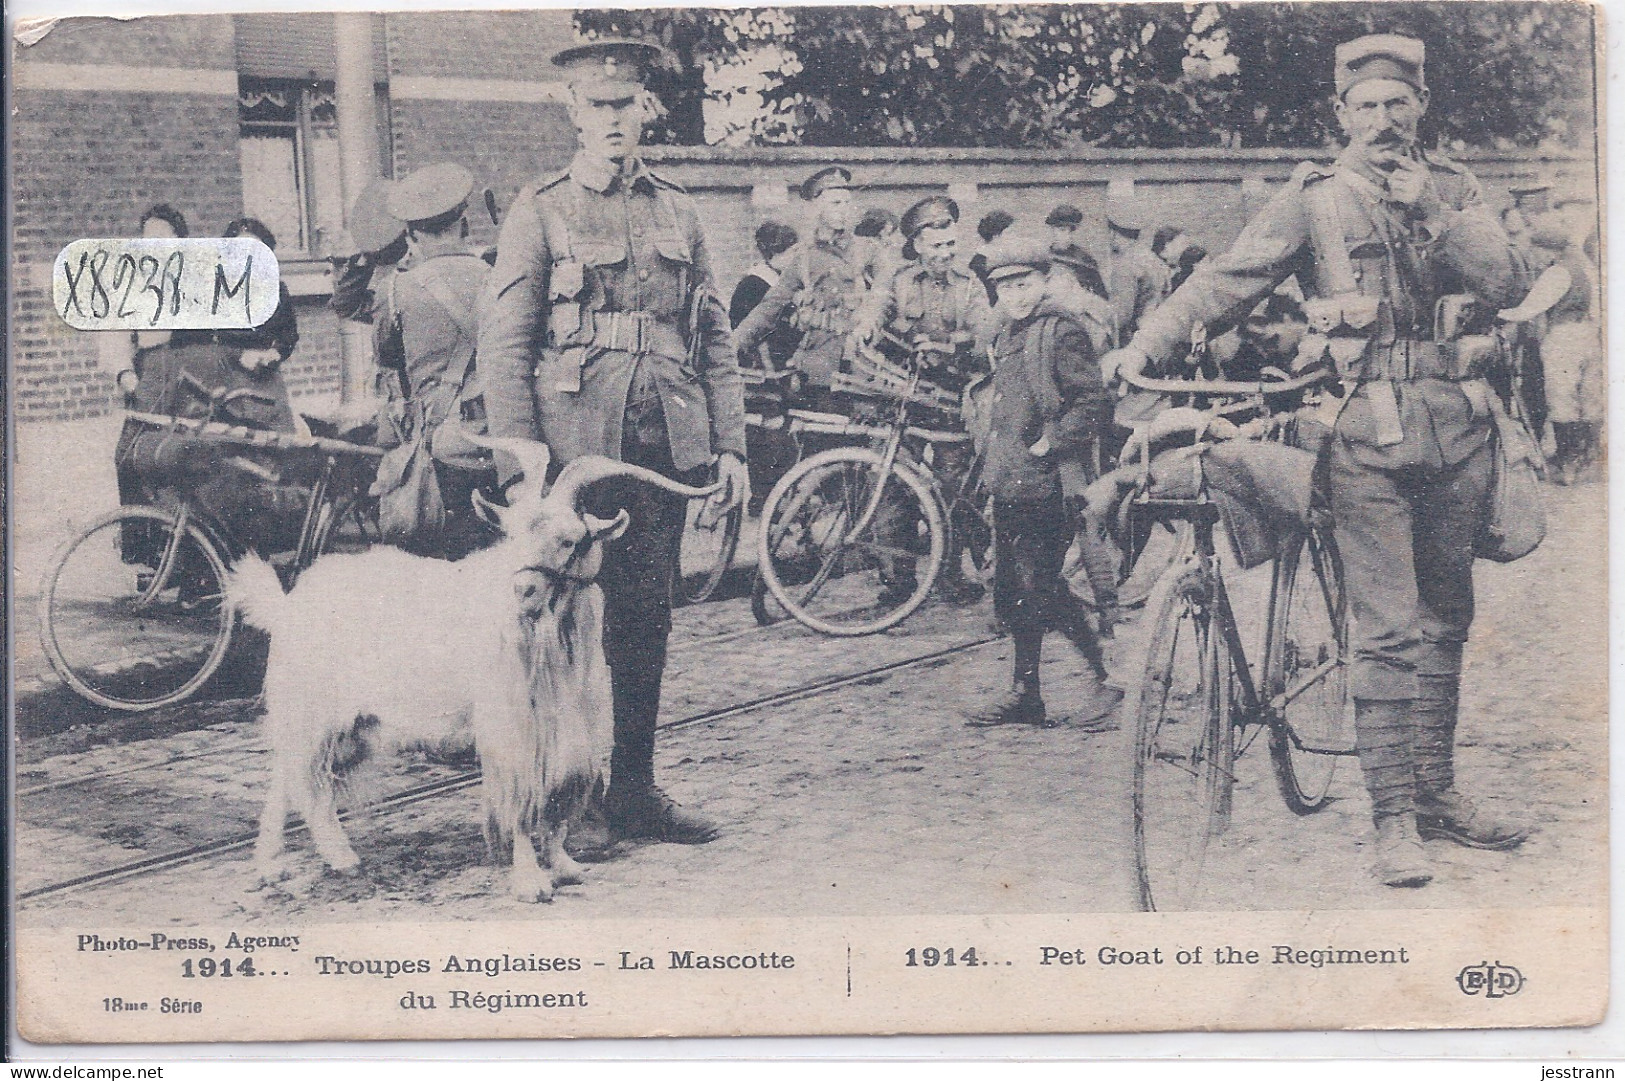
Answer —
(358, 154)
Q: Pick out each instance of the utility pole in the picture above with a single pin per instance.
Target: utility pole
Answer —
(358, 154)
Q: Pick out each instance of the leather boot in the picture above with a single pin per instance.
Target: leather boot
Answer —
(1018, 705)
(634, 807)
(1401, 860)
(1451, 816)
(1385, 741)
(1442, 813)
(644, 812)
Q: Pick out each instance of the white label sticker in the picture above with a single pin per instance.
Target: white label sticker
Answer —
(191, 283)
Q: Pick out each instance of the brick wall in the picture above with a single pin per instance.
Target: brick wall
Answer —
(479, 90)
(488, 45)
(504, 144)
(86, 162)
(1209, 193)
(313, 370)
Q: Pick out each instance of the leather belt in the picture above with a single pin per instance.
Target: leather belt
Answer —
(1406, 359)
(637, 332)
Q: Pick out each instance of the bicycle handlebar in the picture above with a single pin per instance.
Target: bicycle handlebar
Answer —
(220, 395)
(1226, 386)
(252, 437)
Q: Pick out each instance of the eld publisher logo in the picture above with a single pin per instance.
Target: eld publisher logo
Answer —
(1490, 980)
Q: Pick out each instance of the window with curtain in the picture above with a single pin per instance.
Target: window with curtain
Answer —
(290, 162)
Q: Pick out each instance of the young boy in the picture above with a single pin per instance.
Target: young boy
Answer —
(1047, 410)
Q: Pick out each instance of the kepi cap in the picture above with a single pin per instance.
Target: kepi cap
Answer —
(434, 191)
(609, 69)
(372, 226)
(932, 212)
(1065, 214)
(1380, 56)
(1012, 256)
(833, 176)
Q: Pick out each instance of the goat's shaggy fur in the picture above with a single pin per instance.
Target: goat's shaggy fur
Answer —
(381, 650)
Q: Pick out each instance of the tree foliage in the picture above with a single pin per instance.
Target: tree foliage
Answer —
(1502, 72)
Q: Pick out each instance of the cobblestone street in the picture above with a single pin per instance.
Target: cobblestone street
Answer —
(869, 795)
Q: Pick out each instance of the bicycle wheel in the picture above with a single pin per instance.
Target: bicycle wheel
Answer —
(1184, 746)
(706, 553)
(132, 613)
(1309, 671)
(839, 566)
(763, 607)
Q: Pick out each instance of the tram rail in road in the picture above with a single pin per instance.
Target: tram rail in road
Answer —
(457, 782)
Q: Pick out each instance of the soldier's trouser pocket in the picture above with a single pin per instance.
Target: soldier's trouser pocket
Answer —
(1406, 539)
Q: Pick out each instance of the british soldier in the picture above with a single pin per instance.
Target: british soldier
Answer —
(1136, 280)
(602, 333)
(1378, 238)
(427, 337)
(820, 289)
(940, 309)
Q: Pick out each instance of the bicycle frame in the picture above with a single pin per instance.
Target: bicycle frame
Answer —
(1203, 515)
(1250, 705)
(888, 461)
(320, 490)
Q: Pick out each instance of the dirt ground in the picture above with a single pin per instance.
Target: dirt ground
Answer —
(875, 798)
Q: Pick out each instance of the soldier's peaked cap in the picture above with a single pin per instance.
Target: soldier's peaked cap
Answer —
(1380, 56)
(434, 191)
(609, 69)
(1065, 214)
(932, 212)
(1012, 256)
(372, 226)
(833, 176)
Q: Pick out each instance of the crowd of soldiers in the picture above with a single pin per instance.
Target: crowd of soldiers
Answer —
(597, 326)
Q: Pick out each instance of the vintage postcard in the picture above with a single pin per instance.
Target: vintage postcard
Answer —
(817, 520)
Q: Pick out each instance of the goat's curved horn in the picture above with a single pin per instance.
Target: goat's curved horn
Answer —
(532, 456)
(591, 468)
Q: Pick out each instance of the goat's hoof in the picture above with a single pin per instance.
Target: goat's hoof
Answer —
(567, 872)
(532, 891)
(270, 871)
(350, 868)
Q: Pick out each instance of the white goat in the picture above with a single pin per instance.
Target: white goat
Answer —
(380, 650)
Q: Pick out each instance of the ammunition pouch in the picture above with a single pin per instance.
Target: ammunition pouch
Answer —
(1344, 327)
(1351, 315)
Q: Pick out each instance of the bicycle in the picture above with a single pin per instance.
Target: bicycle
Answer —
(845, 526)
(132, 610)
(708, 549)
(1201, 707)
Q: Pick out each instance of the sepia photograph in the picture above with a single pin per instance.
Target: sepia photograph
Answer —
(931, 518)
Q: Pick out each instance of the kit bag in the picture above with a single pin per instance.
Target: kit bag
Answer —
(1514, 521)
(426, 433)
(410, 507)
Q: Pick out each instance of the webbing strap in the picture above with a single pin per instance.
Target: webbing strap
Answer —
(1326, 226)
(460, 315)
